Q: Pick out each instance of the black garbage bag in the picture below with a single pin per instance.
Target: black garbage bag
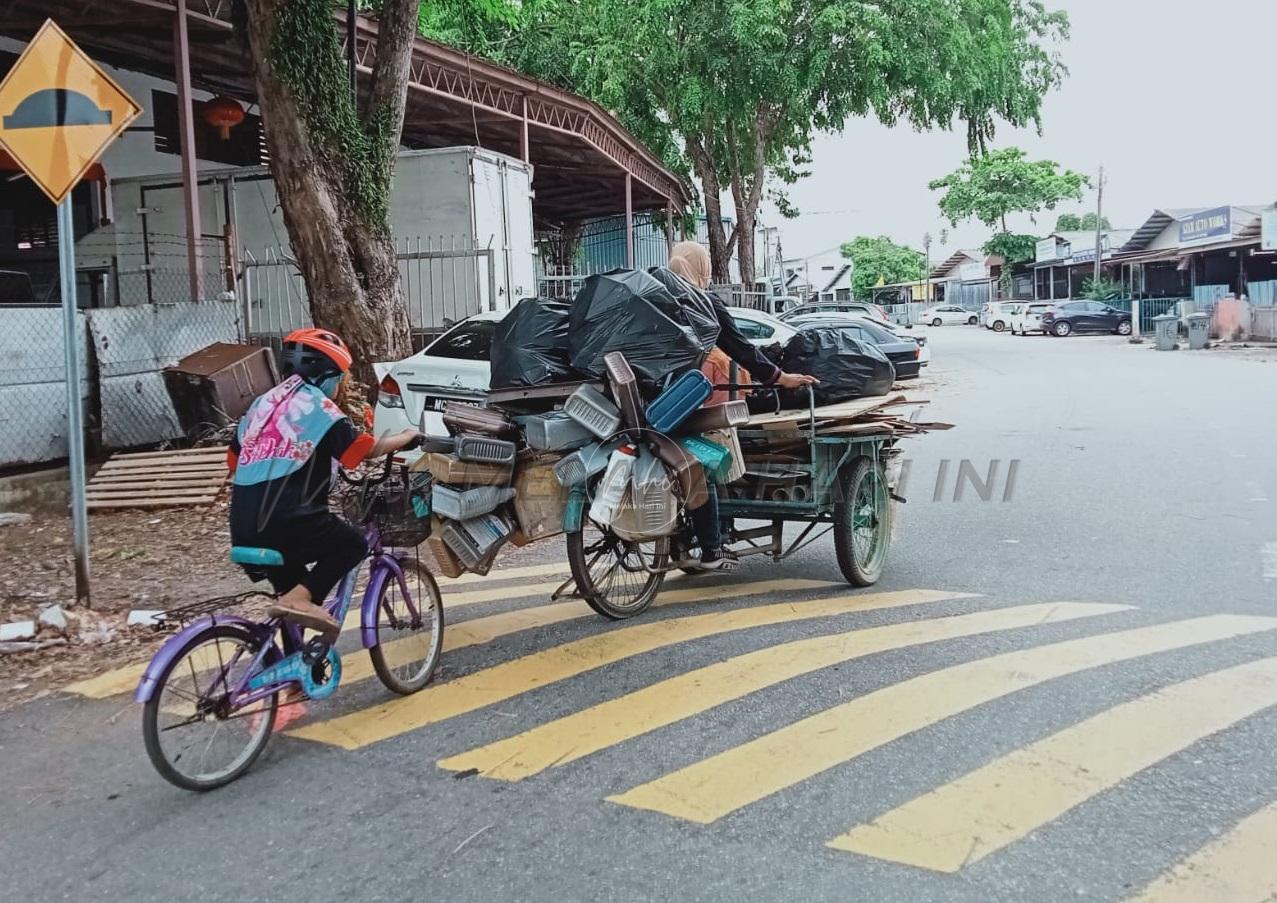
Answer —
(846, 367)
(631, 312)
(697, 306)
(530, 345)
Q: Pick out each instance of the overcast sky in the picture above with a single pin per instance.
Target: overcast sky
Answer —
(1173, 97)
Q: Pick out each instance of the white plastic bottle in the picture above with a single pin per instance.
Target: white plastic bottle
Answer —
(611, 488)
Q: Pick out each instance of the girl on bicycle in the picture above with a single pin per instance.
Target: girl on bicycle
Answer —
(283, 457)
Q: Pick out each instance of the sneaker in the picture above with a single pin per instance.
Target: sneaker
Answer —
(722, 560)
(304, 614)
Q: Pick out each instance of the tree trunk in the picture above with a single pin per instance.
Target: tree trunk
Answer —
(720, 253)
(347, 258)
(745, 245)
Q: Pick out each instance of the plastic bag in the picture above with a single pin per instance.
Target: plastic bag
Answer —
(632, 312)
(697, 306)
(530, 345)
(846, 367)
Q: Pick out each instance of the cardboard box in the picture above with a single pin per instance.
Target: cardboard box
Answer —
(451, 469)
(540, 500)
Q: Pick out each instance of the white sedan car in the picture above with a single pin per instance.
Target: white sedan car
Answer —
(948, 314)
(454, 367)
(761, 328)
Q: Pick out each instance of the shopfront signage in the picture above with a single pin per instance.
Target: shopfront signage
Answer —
(1047, 249)
(1206, 225)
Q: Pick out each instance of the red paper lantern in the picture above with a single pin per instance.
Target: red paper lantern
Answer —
(223, 114)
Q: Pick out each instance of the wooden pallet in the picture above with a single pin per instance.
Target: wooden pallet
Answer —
(163, 479)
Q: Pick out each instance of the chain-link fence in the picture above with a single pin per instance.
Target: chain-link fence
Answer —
(33, 398)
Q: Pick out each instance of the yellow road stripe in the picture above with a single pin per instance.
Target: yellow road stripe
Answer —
(535, 570)
(478, 631)
(617, 720)
(985, 810)
(521, 675)
(711, 788)
(1240, 867)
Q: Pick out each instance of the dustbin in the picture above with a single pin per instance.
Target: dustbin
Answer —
(1167, 329)
(1198, 330)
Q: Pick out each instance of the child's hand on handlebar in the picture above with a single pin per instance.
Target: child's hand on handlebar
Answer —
(393, 442)
(794, 380)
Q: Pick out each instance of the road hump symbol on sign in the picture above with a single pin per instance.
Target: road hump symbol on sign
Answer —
(59, 111)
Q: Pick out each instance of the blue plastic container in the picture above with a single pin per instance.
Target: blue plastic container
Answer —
(683, 398)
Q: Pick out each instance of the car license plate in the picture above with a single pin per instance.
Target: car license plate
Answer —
(436, 403)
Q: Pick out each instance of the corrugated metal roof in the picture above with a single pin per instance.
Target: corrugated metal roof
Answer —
(956, 259)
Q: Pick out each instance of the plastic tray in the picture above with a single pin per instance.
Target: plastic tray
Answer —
(720, 416)
(484, 449)
(625, 390)
(555, 431)
(683, 397)
(463, 504)
(590, 408)
(731, 441)
(583, 463)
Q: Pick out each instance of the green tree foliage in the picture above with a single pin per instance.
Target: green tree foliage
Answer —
(1071, 222)
(1013, 248)
(735, 91)
(1001, 182)
(1103, 289)
(880, 259)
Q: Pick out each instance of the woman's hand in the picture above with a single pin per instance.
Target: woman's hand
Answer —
(794, 380)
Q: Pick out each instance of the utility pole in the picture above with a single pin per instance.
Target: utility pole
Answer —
(1099, 225)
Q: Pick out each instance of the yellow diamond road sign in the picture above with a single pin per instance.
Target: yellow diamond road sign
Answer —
(59, 111)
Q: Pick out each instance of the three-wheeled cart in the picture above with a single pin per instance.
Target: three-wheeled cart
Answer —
(822, 469)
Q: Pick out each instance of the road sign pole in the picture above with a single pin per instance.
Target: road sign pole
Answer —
(75, 403)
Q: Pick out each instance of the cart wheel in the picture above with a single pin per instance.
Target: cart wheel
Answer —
(862, 522)
(609, 570)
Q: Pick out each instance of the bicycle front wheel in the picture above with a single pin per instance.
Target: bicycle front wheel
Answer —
(409, 630)
(194, 736)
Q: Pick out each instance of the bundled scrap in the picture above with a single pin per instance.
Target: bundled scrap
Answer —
(609, 385)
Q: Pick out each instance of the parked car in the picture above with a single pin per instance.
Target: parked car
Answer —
(946, 314)
(761, 328)
(1027, 317)
(996, 315)
(849, 308)
(15, 287)
(454, 367)
(1064, 318)
(904, 352)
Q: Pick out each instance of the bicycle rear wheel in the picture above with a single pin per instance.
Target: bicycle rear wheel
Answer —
(194, 737)
(408, 645)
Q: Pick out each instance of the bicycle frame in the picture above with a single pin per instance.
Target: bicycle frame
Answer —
(382, 566)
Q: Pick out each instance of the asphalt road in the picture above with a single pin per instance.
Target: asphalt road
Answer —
(1095, 720)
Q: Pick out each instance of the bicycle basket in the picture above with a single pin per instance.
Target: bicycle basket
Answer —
(398, 507)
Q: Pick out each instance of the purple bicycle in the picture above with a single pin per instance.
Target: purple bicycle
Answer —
(211, 694)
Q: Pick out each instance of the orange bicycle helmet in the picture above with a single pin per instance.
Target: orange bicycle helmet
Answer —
(314, 354)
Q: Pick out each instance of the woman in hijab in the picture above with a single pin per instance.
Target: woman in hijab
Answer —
(691, 261)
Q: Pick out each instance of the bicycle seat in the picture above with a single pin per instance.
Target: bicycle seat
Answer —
(251, 556)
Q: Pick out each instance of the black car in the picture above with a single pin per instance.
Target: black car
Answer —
(905, 353)
(1069, 317)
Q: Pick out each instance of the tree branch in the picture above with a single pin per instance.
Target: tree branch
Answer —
(396, 33)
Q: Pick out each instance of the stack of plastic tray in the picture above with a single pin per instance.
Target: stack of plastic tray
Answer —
(624, 389)
(683, 397)
(590, 408)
